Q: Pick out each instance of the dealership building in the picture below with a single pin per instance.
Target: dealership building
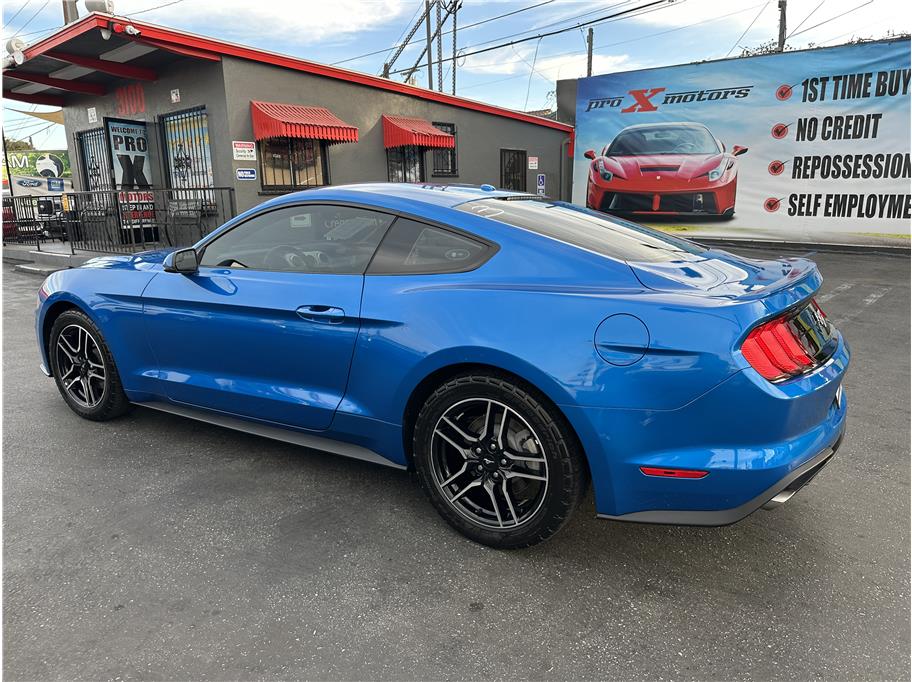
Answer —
(151, 107)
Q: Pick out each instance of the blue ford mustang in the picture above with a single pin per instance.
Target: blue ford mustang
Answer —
(508, 348)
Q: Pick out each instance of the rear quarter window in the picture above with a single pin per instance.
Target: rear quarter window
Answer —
(413, 247)
(587, 229)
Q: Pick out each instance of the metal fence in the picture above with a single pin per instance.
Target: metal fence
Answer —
(118, 221)
(32, 219)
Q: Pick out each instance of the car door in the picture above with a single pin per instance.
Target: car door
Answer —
(266, 327)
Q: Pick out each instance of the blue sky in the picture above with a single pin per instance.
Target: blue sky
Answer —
(330, 31)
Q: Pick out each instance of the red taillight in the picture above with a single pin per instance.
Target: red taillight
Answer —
(673, 473)
(775, 351)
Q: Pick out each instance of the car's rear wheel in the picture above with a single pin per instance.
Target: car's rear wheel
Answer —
(84, 368)
(497, 461)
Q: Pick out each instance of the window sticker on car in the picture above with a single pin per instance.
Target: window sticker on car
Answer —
(301, 221)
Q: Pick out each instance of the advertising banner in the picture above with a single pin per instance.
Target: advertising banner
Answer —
(129, 145)
(812, 145)
(37, 172)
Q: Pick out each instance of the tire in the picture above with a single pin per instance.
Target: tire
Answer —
(503, 483)
(84, 368)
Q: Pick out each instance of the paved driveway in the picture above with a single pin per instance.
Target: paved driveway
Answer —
(154, 547)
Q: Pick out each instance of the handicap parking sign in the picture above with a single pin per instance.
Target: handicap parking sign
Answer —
(541, 183)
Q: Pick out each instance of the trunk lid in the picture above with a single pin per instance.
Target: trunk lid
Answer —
(722, 274)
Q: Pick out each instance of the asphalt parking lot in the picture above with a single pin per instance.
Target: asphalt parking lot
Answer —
(160, 548)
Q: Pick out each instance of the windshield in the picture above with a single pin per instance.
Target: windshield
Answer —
(663, 140)
(587, 229)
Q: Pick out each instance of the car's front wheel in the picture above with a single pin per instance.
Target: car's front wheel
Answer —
(84, 368)
(497, 461)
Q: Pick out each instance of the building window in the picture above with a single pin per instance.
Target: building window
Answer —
(186, 142)
(289, 164)
(405, 164)
(513, 169)
(445, 159)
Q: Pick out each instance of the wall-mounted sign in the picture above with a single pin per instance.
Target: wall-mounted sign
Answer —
(175, 96)
(540, 183)
(129, 145)
(246, 174)
(93, 114)
(130, 99)
(137, 209)
(243, 151)
(533, 163)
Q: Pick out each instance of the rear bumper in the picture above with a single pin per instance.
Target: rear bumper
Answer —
(772, 497)
(759, 442)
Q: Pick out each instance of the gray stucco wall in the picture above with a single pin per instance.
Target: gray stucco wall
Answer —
(226, 88)
(200, 84)
(480, 136)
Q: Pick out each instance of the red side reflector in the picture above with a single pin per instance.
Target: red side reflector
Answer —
(673, 473)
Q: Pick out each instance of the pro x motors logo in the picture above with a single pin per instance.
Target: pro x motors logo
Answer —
(650, 99)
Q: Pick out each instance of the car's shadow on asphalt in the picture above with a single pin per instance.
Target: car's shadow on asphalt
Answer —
(284, 510)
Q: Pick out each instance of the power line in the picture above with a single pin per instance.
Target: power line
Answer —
(826, 21)
(607, 45)
(556, 23)
(25, 25)
(562, 30)
(461, 28)
(820, 4)
(152, 9)
(13, 18)
(531, 73)
(747, 29)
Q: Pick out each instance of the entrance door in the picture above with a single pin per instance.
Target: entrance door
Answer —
(266, 328)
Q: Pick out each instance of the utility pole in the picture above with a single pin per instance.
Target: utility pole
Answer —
(455, 9)
(589, 53)
(9, 174)
(430, 44)
(781, 45)
(439, 48)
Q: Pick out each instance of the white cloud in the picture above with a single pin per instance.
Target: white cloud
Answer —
(519, 60)
(247, 22)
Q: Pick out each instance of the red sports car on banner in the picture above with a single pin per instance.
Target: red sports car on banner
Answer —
(664, 169)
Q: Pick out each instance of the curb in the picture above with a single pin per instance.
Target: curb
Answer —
(823, 247)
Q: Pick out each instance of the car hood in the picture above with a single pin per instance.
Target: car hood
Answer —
(679, 165)
(136, 261)
(719, 273)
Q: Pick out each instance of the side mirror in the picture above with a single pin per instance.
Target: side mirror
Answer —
(589, 154)
(184, 261)
(738, 151)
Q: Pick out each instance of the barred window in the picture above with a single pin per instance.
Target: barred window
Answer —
(445, 159)
(290, 164)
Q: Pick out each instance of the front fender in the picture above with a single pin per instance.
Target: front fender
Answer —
(112, 299)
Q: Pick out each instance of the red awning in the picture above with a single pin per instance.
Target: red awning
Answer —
(291, 120)
(399, 131)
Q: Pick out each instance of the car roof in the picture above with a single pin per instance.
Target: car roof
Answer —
(399, 196)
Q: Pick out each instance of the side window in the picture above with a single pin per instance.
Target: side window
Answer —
(314, 239)
(411, 247)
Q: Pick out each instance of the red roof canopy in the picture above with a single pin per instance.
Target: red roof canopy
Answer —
(291, 120)
(399, 131)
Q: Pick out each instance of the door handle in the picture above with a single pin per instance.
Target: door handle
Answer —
(324, 314)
